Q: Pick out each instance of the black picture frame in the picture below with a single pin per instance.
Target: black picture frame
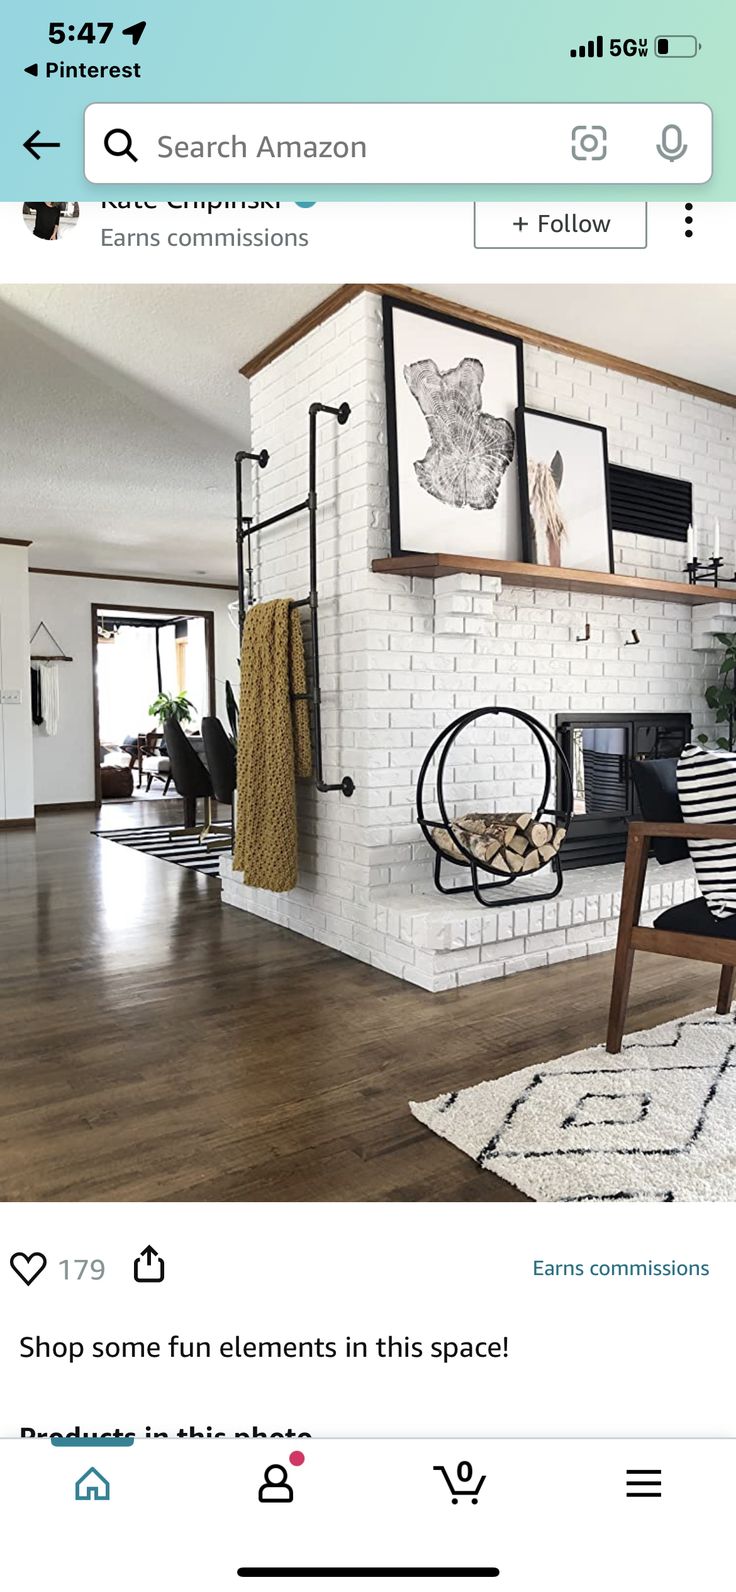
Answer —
(390, 307)
(606, 564)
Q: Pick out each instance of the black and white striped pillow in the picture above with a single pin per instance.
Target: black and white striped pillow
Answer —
(706, 786)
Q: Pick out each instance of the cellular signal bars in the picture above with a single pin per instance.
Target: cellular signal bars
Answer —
(593, 47)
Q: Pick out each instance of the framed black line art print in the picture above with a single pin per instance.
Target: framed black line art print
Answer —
(565, 501)
(452, 391)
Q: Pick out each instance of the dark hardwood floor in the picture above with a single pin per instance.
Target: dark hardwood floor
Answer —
(155, 1045)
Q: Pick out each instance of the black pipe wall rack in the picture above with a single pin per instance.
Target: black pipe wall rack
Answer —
(246, 527)
(243, 528)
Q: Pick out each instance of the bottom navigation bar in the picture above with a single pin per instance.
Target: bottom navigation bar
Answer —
(532, 1513)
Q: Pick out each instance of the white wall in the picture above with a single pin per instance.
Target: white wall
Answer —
(16, 754)
(340, 359)
(404, 657)
(64, 764)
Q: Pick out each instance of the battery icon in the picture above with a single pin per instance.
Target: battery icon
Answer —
(676, 46)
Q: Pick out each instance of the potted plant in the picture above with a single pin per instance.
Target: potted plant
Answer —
(172, 707)
(721, 699)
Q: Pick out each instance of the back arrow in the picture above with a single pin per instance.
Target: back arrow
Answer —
(33, 145)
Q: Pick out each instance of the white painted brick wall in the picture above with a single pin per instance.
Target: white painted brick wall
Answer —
(649, 428)
(401, 657)
(340, 360)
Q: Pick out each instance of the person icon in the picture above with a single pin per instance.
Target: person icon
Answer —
(50, 219)
(275, 1488)
(47, 218)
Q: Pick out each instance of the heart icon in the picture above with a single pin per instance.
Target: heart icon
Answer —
(28, 1267)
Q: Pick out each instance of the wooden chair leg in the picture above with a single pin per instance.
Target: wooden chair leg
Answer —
(725, 990)
(635, 867)
(622, 971)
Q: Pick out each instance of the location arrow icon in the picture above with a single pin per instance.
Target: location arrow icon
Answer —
(135, 33)
(35, 142)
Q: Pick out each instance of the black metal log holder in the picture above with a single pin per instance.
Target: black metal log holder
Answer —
(246, 527)
(561, 812)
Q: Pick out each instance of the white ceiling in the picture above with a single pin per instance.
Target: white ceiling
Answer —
(122, 407)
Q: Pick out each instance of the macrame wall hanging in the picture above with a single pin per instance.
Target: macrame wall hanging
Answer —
(45, 678)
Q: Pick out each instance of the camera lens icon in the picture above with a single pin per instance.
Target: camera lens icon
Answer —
(589, 142)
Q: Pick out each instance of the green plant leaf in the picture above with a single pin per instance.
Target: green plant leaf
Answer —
(713, 696)
(165, 706)
(721, 698)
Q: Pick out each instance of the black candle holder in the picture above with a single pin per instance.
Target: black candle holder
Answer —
(703, 573)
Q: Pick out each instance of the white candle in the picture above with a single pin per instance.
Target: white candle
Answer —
(695, 541)
(717, 540)
(689, 544)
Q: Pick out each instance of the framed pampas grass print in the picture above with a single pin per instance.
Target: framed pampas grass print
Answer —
(565, 502)
(452, 390)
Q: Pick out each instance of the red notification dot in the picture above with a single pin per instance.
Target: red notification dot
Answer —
(297, 1458)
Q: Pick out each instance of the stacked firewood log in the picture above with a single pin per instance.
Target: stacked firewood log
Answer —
(506, 842)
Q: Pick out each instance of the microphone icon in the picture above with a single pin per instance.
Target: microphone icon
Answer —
(672, 146)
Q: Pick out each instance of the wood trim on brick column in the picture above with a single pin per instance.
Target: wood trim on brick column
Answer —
(528, 334)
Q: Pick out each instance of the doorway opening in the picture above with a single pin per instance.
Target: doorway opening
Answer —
(148, 664)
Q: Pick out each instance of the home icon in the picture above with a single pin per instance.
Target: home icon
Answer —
(92, 1488)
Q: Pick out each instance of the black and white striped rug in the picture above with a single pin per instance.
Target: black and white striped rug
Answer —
(657, 1122)
(169, 845)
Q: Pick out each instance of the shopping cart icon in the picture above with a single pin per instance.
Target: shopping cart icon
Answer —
(462, 1486)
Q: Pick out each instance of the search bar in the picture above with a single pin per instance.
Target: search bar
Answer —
(378, 144)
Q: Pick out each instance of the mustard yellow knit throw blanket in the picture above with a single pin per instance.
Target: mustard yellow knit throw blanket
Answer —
(274, 747)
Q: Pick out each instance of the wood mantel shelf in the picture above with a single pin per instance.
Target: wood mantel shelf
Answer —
(431, 566)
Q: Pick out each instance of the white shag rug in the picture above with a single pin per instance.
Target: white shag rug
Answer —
(657, 1122)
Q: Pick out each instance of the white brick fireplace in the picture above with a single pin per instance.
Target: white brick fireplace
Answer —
(401, 657)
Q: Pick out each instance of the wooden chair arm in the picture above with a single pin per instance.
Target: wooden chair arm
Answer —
(683, 831)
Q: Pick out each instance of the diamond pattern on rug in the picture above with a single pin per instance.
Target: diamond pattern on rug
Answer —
(657, 1122)
(168, 845)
